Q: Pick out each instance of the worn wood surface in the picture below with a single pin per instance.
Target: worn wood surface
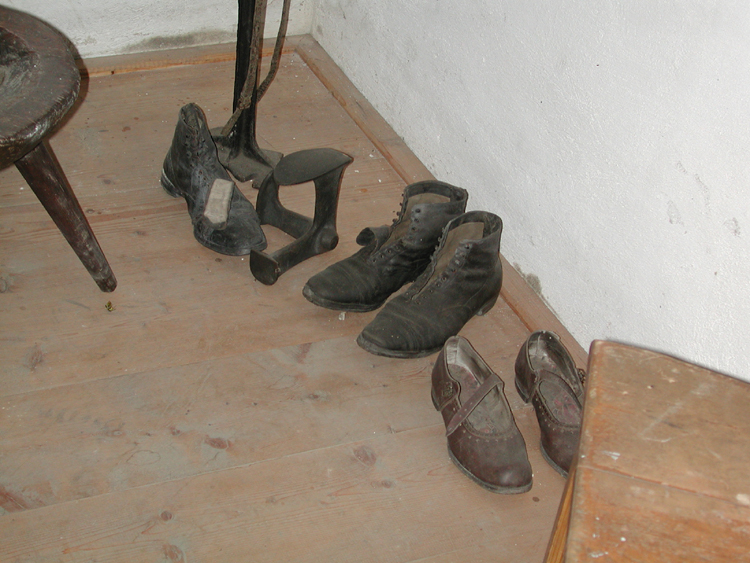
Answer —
(207, 417)
(559, 537)
(663, 468)
(165, 58)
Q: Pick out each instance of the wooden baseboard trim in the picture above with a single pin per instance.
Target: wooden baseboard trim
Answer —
(152, 60)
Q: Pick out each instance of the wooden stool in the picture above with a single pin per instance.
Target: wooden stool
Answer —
(39, 83)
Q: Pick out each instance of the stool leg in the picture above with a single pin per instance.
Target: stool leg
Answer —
(45, 176)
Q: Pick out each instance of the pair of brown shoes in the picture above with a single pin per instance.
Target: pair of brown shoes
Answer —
(483, 439)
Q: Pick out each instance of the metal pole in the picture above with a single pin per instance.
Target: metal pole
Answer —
(236, 143)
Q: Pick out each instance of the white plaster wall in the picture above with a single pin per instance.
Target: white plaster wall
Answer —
(113, 27)
(612, 137)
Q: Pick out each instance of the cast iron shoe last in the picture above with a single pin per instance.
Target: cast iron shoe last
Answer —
(483, 439)
(223, 219)
(462, 280)
(547, 376)
(390, 257)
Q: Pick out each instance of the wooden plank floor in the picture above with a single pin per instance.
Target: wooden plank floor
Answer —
(207, 417)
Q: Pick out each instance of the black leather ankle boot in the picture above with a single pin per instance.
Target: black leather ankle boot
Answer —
(462, 280)
(223, 219)
(390, 257)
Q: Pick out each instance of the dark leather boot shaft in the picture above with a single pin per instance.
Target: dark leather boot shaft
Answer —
(390, 257)
(192, 147)
(463, 279)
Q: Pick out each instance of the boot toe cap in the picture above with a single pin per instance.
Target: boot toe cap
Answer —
(398, 340)
(241, 234)
(336, 288)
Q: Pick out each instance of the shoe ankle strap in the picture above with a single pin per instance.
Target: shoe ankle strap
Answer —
(466, 409)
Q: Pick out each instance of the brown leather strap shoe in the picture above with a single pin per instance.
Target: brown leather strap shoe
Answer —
(483, 439)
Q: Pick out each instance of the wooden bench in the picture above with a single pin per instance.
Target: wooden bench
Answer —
(663, 472)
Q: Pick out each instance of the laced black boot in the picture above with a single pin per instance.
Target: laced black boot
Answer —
(390, 257)
(223, 219)
(463, 280)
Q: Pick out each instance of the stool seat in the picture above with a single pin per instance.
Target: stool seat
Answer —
(39, 83)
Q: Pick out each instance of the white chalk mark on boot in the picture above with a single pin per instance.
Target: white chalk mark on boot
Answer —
(217, 206)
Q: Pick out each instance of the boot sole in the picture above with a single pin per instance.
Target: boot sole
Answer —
(548, 459)
(380, 351)
(337, 306)
(485, 484)
(406, 354)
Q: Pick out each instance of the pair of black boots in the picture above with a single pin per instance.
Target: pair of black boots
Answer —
(451, 256)
(223, 218)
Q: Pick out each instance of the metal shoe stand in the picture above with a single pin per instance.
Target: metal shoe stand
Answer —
(239, 152)
(236, 142)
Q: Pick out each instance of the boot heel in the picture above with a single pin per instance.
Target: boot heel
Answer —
(487, 306)
(522, 392)
(168, 185)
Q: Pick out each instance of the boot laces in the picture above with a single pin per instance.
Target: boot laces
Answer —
(197, 144)
(452, 267)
